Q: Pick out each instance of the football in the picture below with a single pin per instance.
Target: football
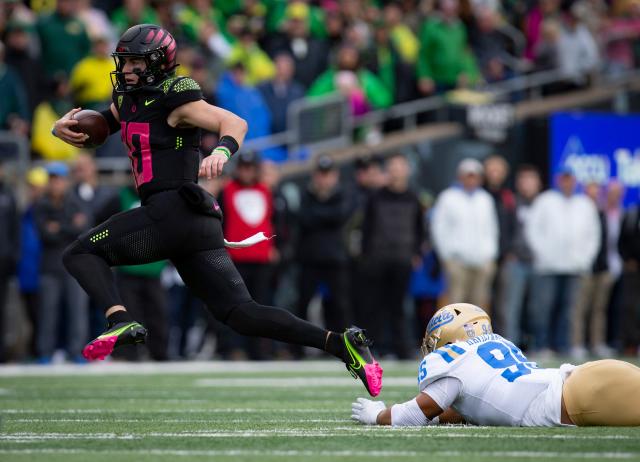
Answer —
(91, 123)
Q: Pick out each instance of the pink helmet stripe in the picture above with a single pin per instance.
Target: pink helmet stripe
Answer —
(150, 35)
(166, 40)
(171, 52)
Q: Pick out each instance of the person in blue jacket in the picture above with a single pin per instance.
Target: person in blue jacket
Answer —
(30, 249)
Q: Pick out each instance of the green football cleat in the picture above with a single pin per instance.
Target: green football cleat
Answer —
(360, 362)
(122, 333)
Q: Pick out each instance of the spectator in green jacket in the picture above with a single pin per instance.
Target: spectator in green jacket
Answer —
(280, 11)
(402, 37)
(14, 105)
(228, 7)
(132, 12)
(445, 60)
(361, 87)
(386, 62)
(63, 38)
(201, 22)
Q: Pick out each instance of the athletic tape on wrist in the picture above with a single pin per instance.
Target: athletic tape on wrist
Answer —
(408, 414)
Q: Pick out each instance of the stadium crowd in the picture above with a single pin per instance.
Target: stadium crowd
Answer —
(559, 270)
(255, 57)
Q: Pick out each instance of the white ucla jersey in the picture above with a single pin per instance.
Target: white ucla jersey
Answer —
(499, 386)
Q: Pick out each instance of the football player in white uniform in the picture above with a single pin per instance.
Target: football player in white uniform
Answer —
(470, 374)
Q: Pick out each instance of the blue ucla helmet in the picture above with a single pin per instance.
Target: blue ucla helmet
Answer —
(455, 322)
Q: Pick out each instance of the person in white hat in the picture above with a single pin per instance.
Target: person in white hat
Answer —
(465, 234)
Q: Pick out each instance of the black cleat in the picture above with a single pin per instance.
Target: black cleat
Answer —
(359, 360)
(122, 333)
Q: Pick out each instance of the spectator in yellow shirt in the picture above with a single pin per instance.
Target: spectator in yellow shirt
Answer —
(43, 143)
(257, 63)
(90, 78)
(401, 35)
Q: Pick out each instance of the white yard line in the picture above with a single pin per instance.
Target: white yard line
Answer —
(541, 454)
(296, 382)
(331, 454)
(185, 367)
(227, 410)
(152, 420)
(324, 432)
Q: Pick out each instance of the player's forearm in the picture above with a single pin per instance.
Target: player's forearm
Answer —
(412, 413)
(422, 410)
(216, 119)
(405, 416)
(211, 118)
(112, 117)
(409, 414)
(234, 126)
(384, 418)
(450, 417)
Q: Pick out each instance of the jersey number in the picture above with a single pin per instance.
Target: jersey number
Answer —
(447, 352)
(505, 356)
(136, 136)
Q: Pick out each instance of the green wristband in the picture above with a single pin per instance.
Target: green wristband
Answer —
(222, 149)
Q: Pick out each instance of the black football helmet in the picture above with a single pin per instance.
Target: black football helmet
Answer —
(152, 43)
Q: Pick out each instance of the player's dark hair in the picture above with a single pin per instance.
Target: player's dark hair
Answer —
(149, 42)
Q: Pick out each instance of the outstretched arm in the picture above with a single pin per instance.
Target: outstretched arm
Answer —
(422, 410)
(214, 119)
(431, 406)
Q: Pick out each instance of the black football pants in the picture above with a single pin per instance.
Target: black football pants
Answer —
(165, 227)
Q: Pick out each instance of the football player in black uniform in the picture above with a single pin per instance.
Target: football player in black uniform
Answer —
(160, 116)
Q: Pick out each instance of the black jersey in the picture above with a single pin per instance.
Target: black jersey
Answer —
(162, 157)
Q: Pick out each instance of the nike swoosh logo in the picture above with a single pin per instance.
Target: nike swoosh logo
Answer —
(118, 331)
(147, 102)
(355, 363)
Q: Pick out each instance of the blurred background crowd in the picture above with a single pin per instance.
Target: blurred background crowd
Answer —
(557, 269)
(256, 57)
(368, 242)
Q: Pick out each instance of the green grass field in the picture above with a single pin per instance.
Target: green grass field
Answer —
(250, 411)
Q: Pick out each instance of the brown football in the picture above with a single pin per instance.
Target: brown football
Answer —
(91, 123)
